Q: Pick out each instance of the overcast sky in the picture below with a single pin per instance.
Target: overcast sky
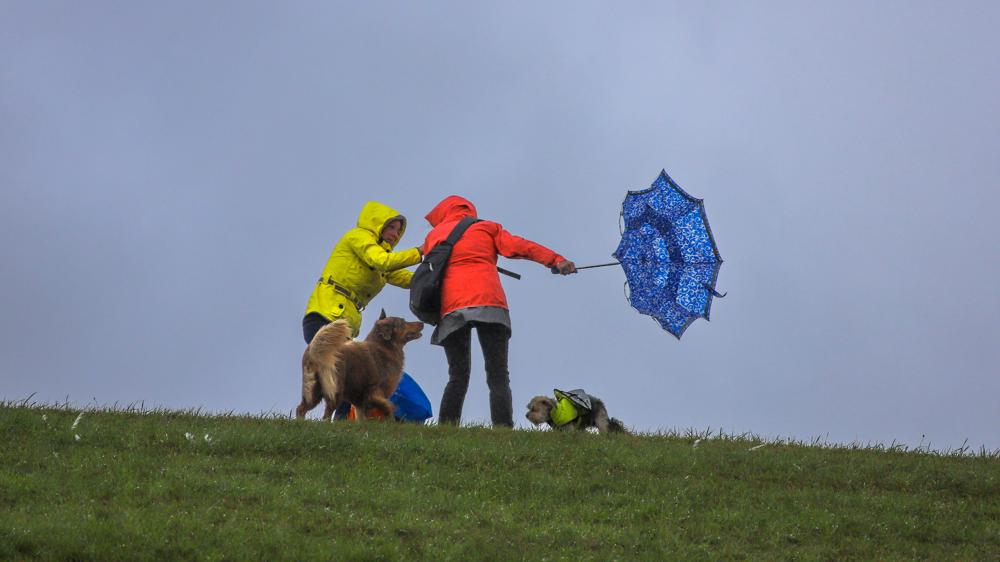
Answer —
(173, 176)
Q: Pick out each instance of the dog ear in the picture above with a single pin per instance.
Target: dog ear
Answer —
(382, 316)
(385, 330)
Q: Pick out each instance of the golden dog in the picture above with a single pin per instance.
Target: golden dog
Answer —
(365, 373)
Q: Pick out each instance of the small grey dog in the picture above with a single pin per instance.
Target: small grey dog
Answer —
(573, 409)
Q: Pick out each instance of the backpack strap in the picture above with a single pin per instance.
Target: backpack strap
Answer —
(460, 229)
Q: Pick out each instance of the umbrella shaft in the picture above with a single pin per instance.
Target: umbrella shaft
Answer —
(556, 269)
(598, 265)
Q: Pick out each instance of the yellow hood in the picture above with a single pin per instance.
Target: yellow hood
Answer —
(374, 215)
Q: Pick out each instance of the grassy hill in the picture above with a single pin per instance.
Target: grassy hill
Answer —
(120, 485)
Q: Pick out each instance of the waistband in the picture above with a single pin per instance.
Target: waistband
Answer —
(344, 291)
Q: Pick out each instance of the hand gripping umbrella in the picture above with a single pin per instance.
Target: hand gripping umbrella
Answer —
(669, 256)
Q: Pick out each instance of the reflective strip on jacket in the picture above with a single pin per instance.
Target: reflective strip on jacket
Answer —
(363, 263)
(471, 278)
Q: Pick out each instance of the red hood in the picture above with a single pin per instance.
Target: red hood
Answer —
(451, 208)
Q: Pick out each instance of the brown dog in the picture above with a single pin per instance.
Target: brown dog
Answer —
(365, 373)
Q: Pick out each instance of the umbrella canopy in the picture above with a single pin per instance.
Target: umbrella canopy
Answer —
(669, 256)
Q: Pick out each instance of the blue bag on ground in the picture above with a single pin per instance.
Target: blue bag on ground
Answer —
(410, 401)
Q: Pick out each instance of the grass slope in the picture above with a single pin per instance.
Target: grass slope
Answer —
(120, 485)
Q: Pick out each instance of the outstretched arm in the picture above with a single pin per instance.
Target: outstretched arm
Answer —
(515, 247)
(400, 278)
(374, 255)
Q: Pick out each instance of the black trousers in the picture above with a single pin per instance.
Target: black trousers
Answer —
(310, 325)
(494, 339)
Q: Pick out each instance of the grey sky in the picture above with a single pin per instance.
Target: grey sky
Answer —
(173, 176)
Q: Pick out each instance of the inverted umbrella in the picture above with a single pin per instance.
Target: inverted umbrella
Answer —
(669, 256)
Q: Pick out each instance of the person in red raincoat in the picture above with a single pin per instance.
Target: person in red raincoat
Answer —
(472, 297)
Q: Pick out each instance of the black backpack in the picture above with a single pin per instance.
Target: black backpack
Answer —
(425, 287)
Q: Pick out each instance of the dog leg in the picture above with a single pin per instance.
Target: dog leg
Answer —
(328, 410)
(310, 394)
(330, 390)
(601, 419)
(381, 403)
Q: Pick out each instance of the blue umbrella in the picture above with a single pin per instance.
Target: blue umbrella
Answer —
(669, 256)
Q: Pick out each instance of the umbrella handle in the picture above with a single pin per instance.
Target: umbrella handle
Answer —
(508, 272)
(556, 270)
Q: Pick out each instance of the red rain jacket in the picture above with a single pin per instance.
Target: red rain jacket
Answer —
(471, 278)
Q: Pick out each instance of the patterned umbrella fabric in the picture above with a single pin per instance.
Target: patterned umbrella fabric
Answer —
(669, 256)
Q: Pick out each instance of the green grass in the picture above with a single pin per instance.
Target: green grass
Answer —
(134, 486)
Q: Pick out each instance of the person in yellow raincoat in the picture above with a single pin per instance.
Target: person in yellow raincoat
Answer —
(361, 263)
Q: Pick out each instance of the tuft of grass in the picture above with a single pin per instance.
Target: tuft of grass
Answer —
(128, 483)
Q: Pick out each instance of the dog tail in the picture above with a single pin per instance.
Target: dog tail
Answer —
(325, 346)
(325, 352)
(615, 425)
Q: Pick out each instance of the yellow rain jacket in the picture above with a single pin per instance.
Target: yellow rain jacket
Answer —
(360, 265)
